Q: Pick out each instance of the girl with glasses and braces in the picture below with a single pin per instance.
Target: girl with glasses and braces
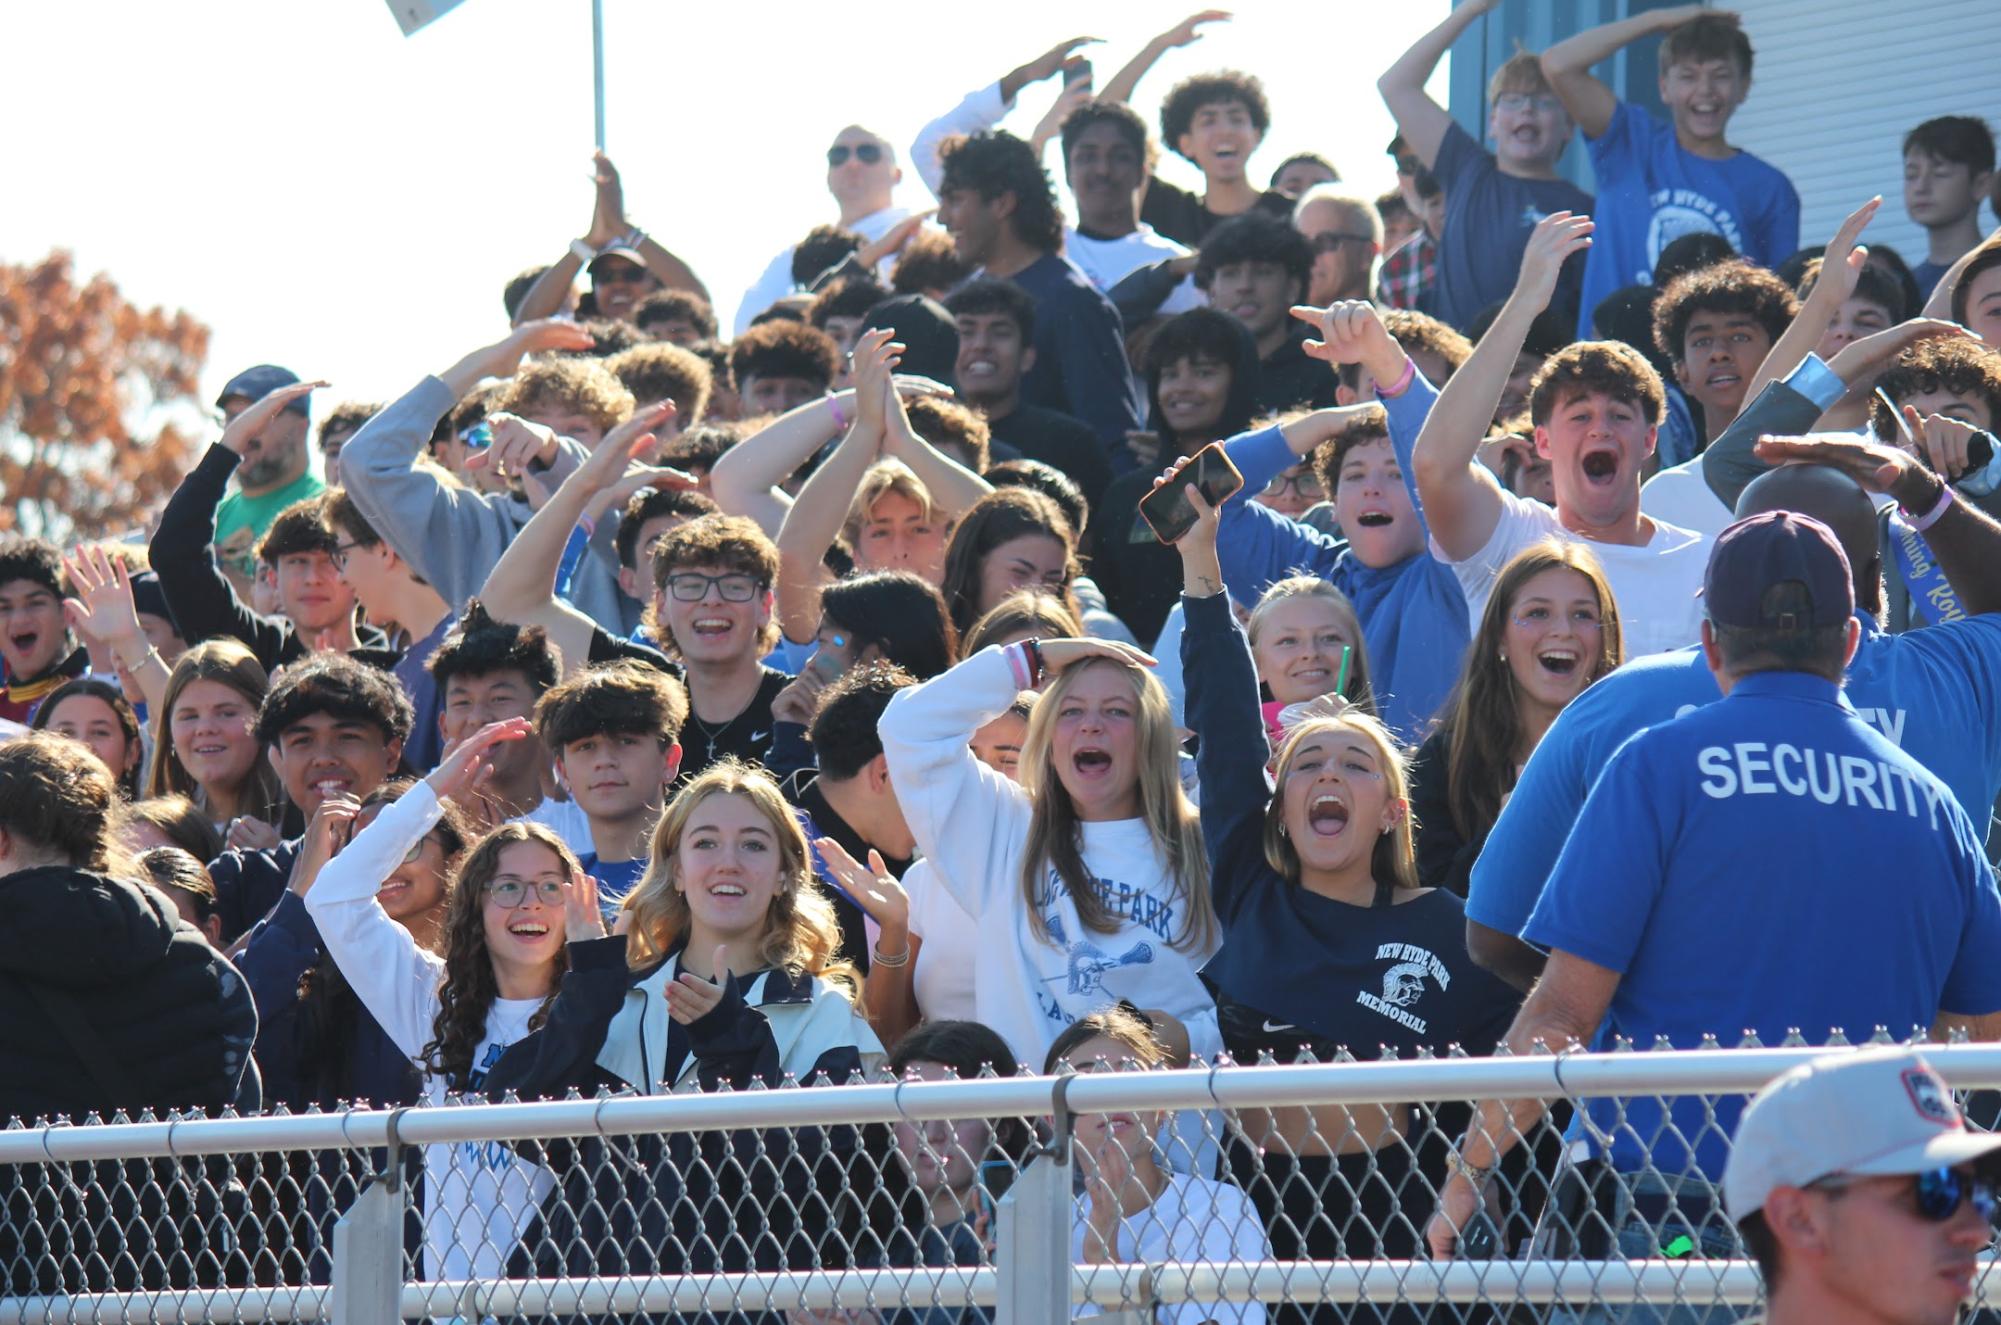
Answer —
(516, 899)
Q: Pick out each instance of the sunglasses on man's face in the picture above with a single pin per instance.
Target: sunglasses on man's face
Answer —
(1940, 1192)
(868, 154)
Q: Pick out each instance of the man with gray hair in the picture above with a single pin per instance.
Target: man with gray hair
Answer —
(1346, 235)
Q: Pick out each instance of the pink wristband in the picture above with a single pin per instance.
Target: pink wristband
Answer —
(841, 421)
(1402, 384)
(1920, 523)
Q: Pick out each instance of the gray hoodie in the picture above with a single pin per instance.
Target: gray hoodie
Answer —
(451, 535)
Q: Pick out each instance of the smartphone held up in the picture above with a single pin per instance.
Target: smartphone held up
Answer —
(1167, 510)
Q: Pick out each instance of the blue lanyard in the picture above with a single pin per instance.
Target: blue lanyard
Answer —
(1932, 599)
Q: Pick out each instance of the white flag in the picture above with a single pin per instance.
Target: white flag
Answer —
(414, 14)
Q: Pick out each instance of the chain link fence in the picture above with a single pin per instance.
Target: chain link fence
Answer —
(1236, 1194)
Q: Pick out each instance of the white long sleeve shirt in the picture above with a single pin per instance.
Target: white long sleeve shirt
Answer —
(776, 282)
(478, 1197)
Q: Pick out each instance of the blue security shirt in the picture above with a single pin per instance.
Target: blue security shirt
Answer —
(1765, 863)
(1651, 192)
(1931, 692)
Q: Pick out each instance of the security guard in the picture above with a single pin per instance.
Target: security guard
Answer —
(1767, 862)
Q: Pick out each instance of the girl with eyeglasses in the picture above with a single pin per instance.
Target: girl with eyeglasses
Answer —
(727, 976)
(516, 899)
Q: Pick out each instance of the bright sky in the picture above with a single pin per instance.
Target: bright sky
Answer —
(329, 195)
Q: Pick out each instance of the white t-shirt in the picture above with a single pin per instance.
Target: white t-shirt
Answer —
(1194, 1219)
(943, 979)
(1681, 496)
(776, 281)
(1109, 261)
(478, 1196)
(1654, 583)
(566, 820)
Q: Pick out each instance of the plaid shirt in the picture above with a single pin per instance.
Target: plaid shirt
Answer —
(1409, 274)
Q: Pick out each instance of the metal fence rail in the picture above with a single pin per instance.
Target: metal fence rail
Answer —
(308, 1217)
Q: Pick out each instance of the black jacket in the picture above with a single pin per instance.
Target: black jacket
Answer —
(686, 1203)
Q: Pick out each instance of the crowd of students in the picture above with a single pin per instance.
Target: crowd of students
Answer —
(626, 709)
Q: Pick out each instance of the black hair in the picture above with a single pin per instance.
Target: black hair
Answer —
(1872, 283)
(1627, 316)
(997, 162)
(676, 305)
(967, 1047)
(1115, 113)
(901, 614)
(1732, 286)
(609, 336)
(649, 503)
(478, 645)
(1048, 480)
(620, 697)
(784, 348)
(823, 247)
(1204, 333)
(1309, 159)
(1548, 333)
(845, 731)
(987, 295)
(339, 687)
(1763, 1246)
(121, 709)
(1177, 112)
(1690, 252)
(1255, 237)
(35, 559)
(517, 289)
(347, 418)
(927, 332)
(701, 446)
(1885, 257)
(299, 528)
(850, 296)
(1819, 650)
(1962, 140)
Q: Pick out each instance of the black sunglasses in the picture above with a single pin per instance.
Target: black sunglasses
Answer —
(1940, 1192)
(869, 154)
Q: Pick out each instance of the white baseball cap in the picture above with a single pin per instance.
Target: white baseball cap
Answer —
(1869, 1112)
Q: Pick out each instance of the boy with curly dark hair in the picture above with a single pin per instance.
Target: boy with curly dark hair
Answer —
(1716, 325)
(780, 365)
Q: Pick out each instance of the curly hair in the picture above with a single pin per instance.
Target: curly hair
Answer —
(618, 698)
(1371, 425)
(1121, 117)
(929, 262)
(993, 163)
(1422, 334)
(336, 685)
(951, 427)
(478, 645)
(658, 370)
(57, 795)
(1609, 366)
(845, 724)
(1255, 237)
(36, 560)
(729, 541)
(1735, 286)
(1225, 87)
(824, 246)
(299, 528)
(801, 935)
(649, 503)
(987, 295)
(850, 296)
(783, 348)
(469, 989)
(1959, 365)
(664, 306)
(578, 386)
(346, 418)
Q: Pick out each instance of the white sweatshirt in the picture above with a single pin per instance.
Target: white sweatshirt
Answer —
(1193, 1219)
(478, 1197)
(971, 823)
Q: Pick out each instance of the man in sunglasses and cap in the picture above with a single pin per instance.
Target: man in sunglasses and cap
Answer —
(1860, 1192)
(862, 174)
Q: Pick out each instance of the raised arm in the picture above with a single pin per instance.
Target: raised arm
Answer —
(1420, 120)
(104, 614)
(952, 486)
(545, 298)
(521, 588)
(1840, 268)
(1184, 33)
(1567, 65)
(814, 520)
(1461, 496)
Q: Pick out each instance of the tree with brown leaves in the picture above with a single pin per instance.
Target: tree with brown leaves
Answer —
(98, 403)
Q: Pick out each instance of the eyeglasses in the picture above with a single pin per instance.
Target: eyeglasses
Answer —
(416, 850)
(620, 273)
(339, 554)
(1327, 241)
(1517, 101)
(869, 154)
(511, 893)
(478, 437)
(693, 587)
(1305, 483)
(1940, 1192)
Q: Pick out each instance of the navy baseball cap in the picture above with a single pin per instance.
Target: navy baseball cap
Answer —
(253, 384)
(1778, 571)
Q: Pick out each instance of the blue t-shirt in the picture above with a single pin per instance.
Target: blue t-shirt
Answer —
(615, 879)
(1488, 217)
(1651, 192)
(1931, 692)
(1928, 274)
(1765, 863)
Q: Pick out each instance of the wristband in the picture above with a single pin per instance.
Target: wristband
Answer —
(1920, 523)
(880, 958)
(631, 239)
(1402, 384)
(841, 420)
(582, 252)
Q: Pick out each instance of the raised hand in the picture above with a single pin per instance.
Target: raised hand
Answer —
(1554, 239)
(1188, 30)
(469, 768)
(1841, 265)
(1861, 359)
(1050, 62)
(326, 833)
(608, 212)
(1058, 654)
(894, 239)
(1352, 331)
(877, 353)
(623, 445)
(1877, 467)
(1941, 442)
(690, 997)
(1199, 543)
(583, 919)
(102, 611)
(243, 429)
(873, 887)
(542, 336)
(517, 446)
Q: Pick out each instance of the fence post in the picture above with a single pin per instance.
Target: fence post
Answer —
(367, 1286)
(1032, 1246)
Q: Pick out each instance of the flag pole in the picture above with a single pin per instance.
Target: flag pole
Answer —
(597, 63)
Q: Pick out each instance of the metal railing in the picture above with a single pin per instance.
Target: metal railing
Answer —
(371, 1269)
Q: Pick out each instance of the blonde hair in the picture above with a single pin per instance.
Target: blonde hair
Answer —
(884, 477)
(1054, 829)
(801, 934)
(1358, 690)
(1395, 855)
